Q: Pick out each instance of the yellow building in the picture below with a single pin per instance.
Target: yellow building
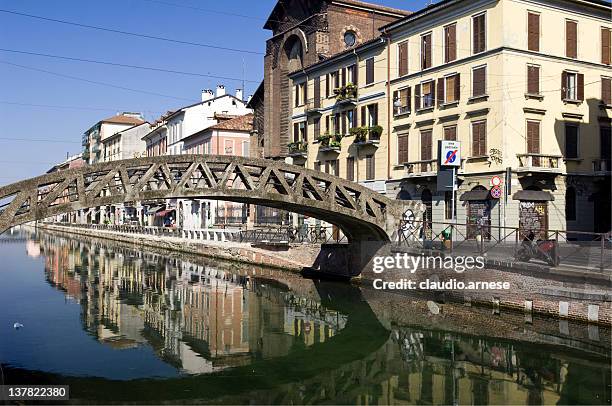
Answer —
(524, 86)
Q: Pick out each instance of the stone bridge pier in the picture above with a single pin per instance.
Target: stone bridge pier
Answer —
(368, 219)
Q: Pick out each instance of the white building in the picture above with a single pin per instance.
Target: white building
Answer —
(197, 117)
(126, 144)
(93, 148)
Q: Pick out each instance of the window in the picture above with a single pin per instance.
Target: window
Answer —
(333, 82)
(427, 96)
(350, 168)
(402, 57)
(426, 51)
(331, 167)
(570, 204)
(572, 86)
(351, 118)
(533, 32)
(605, 145)
(571, 39)
(336, 120)
(317, 127)
(533, 141)
(449, 206)
(450, 43)
(299, 131)
(479, 138)
(478, 33)
(571, 141)
(605, 45)
(451, 89)
(369, 71)
(402, 149)
(401, 101)
(300, 94)
(317, 166)
(450, 133)
(533, 79)
(426, 150)
(370, 175)
(369, 115)
(606, 97)
(350, 39)
(351, 74)
(479, 81)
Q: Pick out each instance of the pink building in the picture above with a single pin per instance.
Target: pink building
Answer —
(228, 137)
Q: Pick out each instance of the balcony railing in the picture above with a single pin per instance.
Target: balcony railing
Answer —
(329, 142)
(539, 161)
(298, 148)
(423, 166)
(346, 94)
(366, 135)
(400, 110)
(602, 165)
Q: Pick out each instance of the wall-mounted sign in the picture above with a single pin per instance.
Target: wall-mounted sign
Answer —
(450, 153)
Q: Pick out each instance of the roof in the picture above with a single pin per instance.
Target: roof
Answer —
(447, 3)
(278, 8)
(182, 109)
(121, 119)
(222, 116)
(119, 133)
(259, 94)
(241, 123)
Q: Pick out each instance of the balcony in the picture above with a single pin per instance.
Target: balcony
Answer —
(313, 107)
(399, 111)
(426, 167)
(366, 135)
(602, 165)
(346, 94)
(298, 149)
(95, 148)
(328, 143)
(539, 163)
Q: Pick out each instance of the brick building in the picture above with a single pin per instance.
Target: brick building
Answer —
(305, 32)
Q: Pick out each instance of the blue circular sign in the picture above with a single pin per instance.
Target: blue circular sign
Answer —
(451, 156)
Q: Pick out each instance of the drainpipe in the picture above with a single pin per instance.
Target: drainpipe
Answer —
(388, 40)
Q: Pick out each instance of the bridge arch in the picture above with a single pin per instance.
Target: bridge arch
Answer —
(361, 213)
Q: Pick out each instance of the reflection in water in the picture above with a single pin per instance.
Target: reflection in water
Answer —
(230, 338)
(197, 318)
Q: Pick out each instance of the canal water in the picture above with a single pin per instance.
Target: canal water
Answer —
(118, 324)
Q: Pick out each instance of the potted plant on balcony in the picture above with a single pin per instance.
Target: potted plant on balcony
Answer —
(324, 139)
(335, 144)
(350, 91)
(375, 132)
(360, 133)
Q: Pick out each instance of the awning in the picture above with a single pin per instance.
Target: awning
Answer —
(163, 213)
(475, 195)
(154, 209)
(533, 195)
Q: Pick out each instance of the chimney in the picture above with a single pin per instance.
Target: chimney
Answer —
(207, 94)
(249, 98)
(239, 94)
(220, 90)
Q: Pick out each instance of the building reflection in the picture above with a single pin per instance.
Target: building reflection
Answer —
(197, 318)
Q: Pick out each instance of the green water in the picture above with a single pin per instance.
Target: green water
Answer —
(120, 325)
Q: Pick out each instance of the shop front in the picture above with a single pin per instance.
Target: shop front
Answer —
(533, 213)
(478, 206)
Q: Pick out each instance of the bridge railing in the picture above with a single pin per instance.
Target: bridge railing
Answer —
(556, 248)
(288, 234)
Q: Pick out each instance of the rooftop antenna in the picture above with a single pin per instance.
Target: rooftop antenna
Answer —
(243, 88)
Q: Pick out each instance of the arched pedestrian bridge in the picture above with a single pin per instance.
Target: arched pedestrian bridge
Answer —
(362, 214)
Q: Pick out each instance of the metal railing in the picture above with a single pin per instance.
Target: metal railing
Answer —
(557, 248)
(289, 234)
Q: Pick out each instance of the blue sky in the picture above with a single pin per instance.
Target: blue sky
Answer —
(56, 131)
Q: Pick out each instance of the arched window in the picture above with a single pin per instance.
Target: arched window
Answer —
(570, 204)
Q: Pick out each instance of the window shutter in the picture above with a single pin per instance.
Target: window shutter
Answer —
(402, 149)
(571, 38)
(440, 91)
(450, 45)
(428, 52)
(403, 58)
(580, 86)
(305, 131)
(533, 137)
(363, 115)
(305, 96)
(457, 87)
(483, 138)
(606, 91)
(296, 132)
(479, 33)
(533, 32)
(356, 74)
(450, 133)
(417, 97)
(425, 145)
(571, 141)
(370, 167)
(327, 124)
(369, 71)
(408, 100)
(563, 85)
(296, 94)
(533, 80)
(327, 79)
(343, 77)
(317, 127)
(478, 77)
(605, 46)
(317, 91)
(350, 168)
(343, 118)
